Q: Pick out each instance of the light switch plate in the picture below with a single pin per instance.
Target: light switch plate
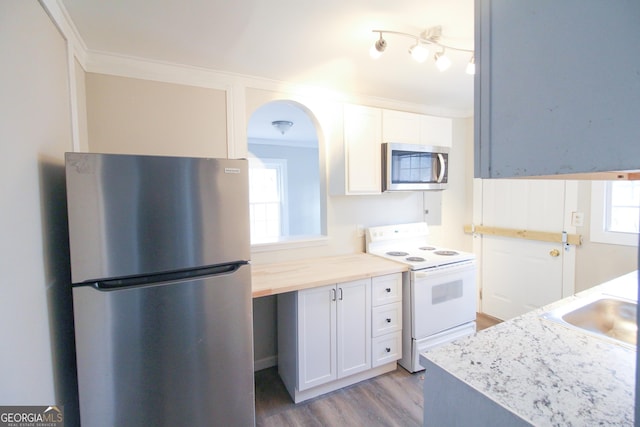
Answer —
(577, 219)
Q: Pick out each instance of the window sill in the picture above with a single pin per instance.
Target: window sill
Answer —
(291, 243)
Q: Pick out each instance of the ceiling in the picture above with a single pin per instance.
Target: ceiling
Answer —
(316, 43)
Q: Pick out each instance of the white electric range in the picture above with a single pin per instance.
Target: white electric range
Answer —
(439, 291)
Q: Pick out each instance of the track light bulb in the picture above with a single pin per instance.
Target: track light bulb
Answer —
(442, 62)
(419, 52)
(379, 47)
(471, 66)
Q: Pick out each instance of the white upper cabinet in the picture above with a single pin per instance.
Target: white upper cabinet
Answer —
(356, 161)
(557, 88)
(359, 162)
(436, 131)
(398, 126)
(412, 128)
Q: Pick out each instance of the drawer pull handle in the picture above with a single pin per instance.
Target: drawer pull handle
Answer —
(388, 290)
(388, 350)
(388, 320)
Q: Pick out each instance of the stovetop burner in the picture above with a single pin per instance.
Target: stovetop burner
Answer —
(397, 253)
(446, 253)
(407, 243)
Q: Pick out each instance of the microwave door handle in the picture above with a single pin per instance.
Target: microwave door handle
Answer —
(442, 167)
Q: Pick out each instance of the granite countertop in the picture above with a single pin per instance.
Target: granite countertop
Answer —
(277, 278)
(546, 373)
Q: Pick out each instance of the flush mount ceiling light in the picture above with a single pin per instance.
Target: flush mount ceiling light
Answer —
(283, 126)
(419, 51)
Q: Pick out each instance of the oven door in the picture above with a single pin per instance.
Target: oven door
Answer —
(442, 298)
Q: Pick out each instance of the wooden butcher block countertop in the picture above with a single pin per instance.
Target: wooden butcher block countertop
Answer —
(277, 278)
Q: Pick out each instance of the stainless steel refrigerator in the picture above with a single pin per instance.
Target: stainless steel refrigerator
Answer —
(161, 290)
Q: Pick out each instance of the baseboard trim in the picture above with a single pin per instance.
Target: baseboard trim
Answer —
(300, 396)
(264, 363)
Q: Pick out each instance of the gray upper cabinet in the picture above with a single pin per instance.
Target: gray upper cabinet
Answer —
(557, 88)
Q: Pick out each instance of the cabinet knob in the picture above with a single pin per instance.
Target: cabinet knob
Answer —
(388, 350)
(554, 253)
(388, 320)
(388, 290)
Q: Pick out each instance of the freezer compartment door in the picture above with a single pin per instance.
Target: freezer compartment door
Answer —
(179, 353)
(137, 215)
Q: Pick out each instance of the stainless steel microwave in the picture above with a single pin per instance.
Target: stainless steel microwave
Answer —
(414, 167)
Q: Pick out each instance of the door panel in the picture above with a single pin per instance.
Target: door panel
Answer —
(354, 327)
(183, 349)
(136, 215)
(316, 331)
(520, 275)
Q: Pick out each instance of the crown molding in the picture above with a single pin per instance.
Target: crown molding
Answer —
(61, 19)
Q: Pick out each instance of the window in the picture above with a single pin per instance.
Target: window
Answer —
(267, 199)
(615, 211)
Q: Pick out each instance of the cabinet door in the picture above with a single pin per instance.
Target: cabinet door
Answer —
(544, 103)
(400, 126)
(436, 131)
(363, 138)
(354, 327)
(316, 336)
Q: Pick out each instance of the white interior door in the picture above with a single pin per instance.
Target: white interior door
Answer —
(519, 275)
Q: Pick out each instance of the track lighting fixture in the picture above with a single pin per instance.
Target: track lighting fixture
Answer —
(420, 52)
(442, 62)
(379, 47)
(471, 66)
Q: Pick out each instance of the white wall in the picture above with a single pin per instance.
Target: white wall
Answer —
(599, 262)
(453, 207)
(136, 116)
(36, 361)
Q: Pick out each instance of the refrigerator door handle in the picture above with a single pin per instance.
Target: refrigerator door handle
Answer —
(160, 278)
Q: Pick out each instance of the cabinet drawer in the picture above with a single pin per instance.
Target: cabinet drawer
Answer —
(386, 319)
(386, 289)
(386, 348)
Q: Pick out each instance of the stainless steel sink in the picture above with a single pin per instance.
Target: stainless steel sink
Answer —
(602, 316)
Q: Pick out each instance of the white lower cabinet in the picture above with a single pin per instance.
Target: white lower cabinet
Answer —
(386, 318)
(325, 338)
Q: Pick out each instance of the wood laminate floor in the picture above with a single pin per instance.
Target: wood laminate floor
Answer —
(393, 399)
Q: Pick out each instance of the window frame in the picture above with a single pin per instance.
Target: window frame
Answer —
(280, 165)
(598, 224)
